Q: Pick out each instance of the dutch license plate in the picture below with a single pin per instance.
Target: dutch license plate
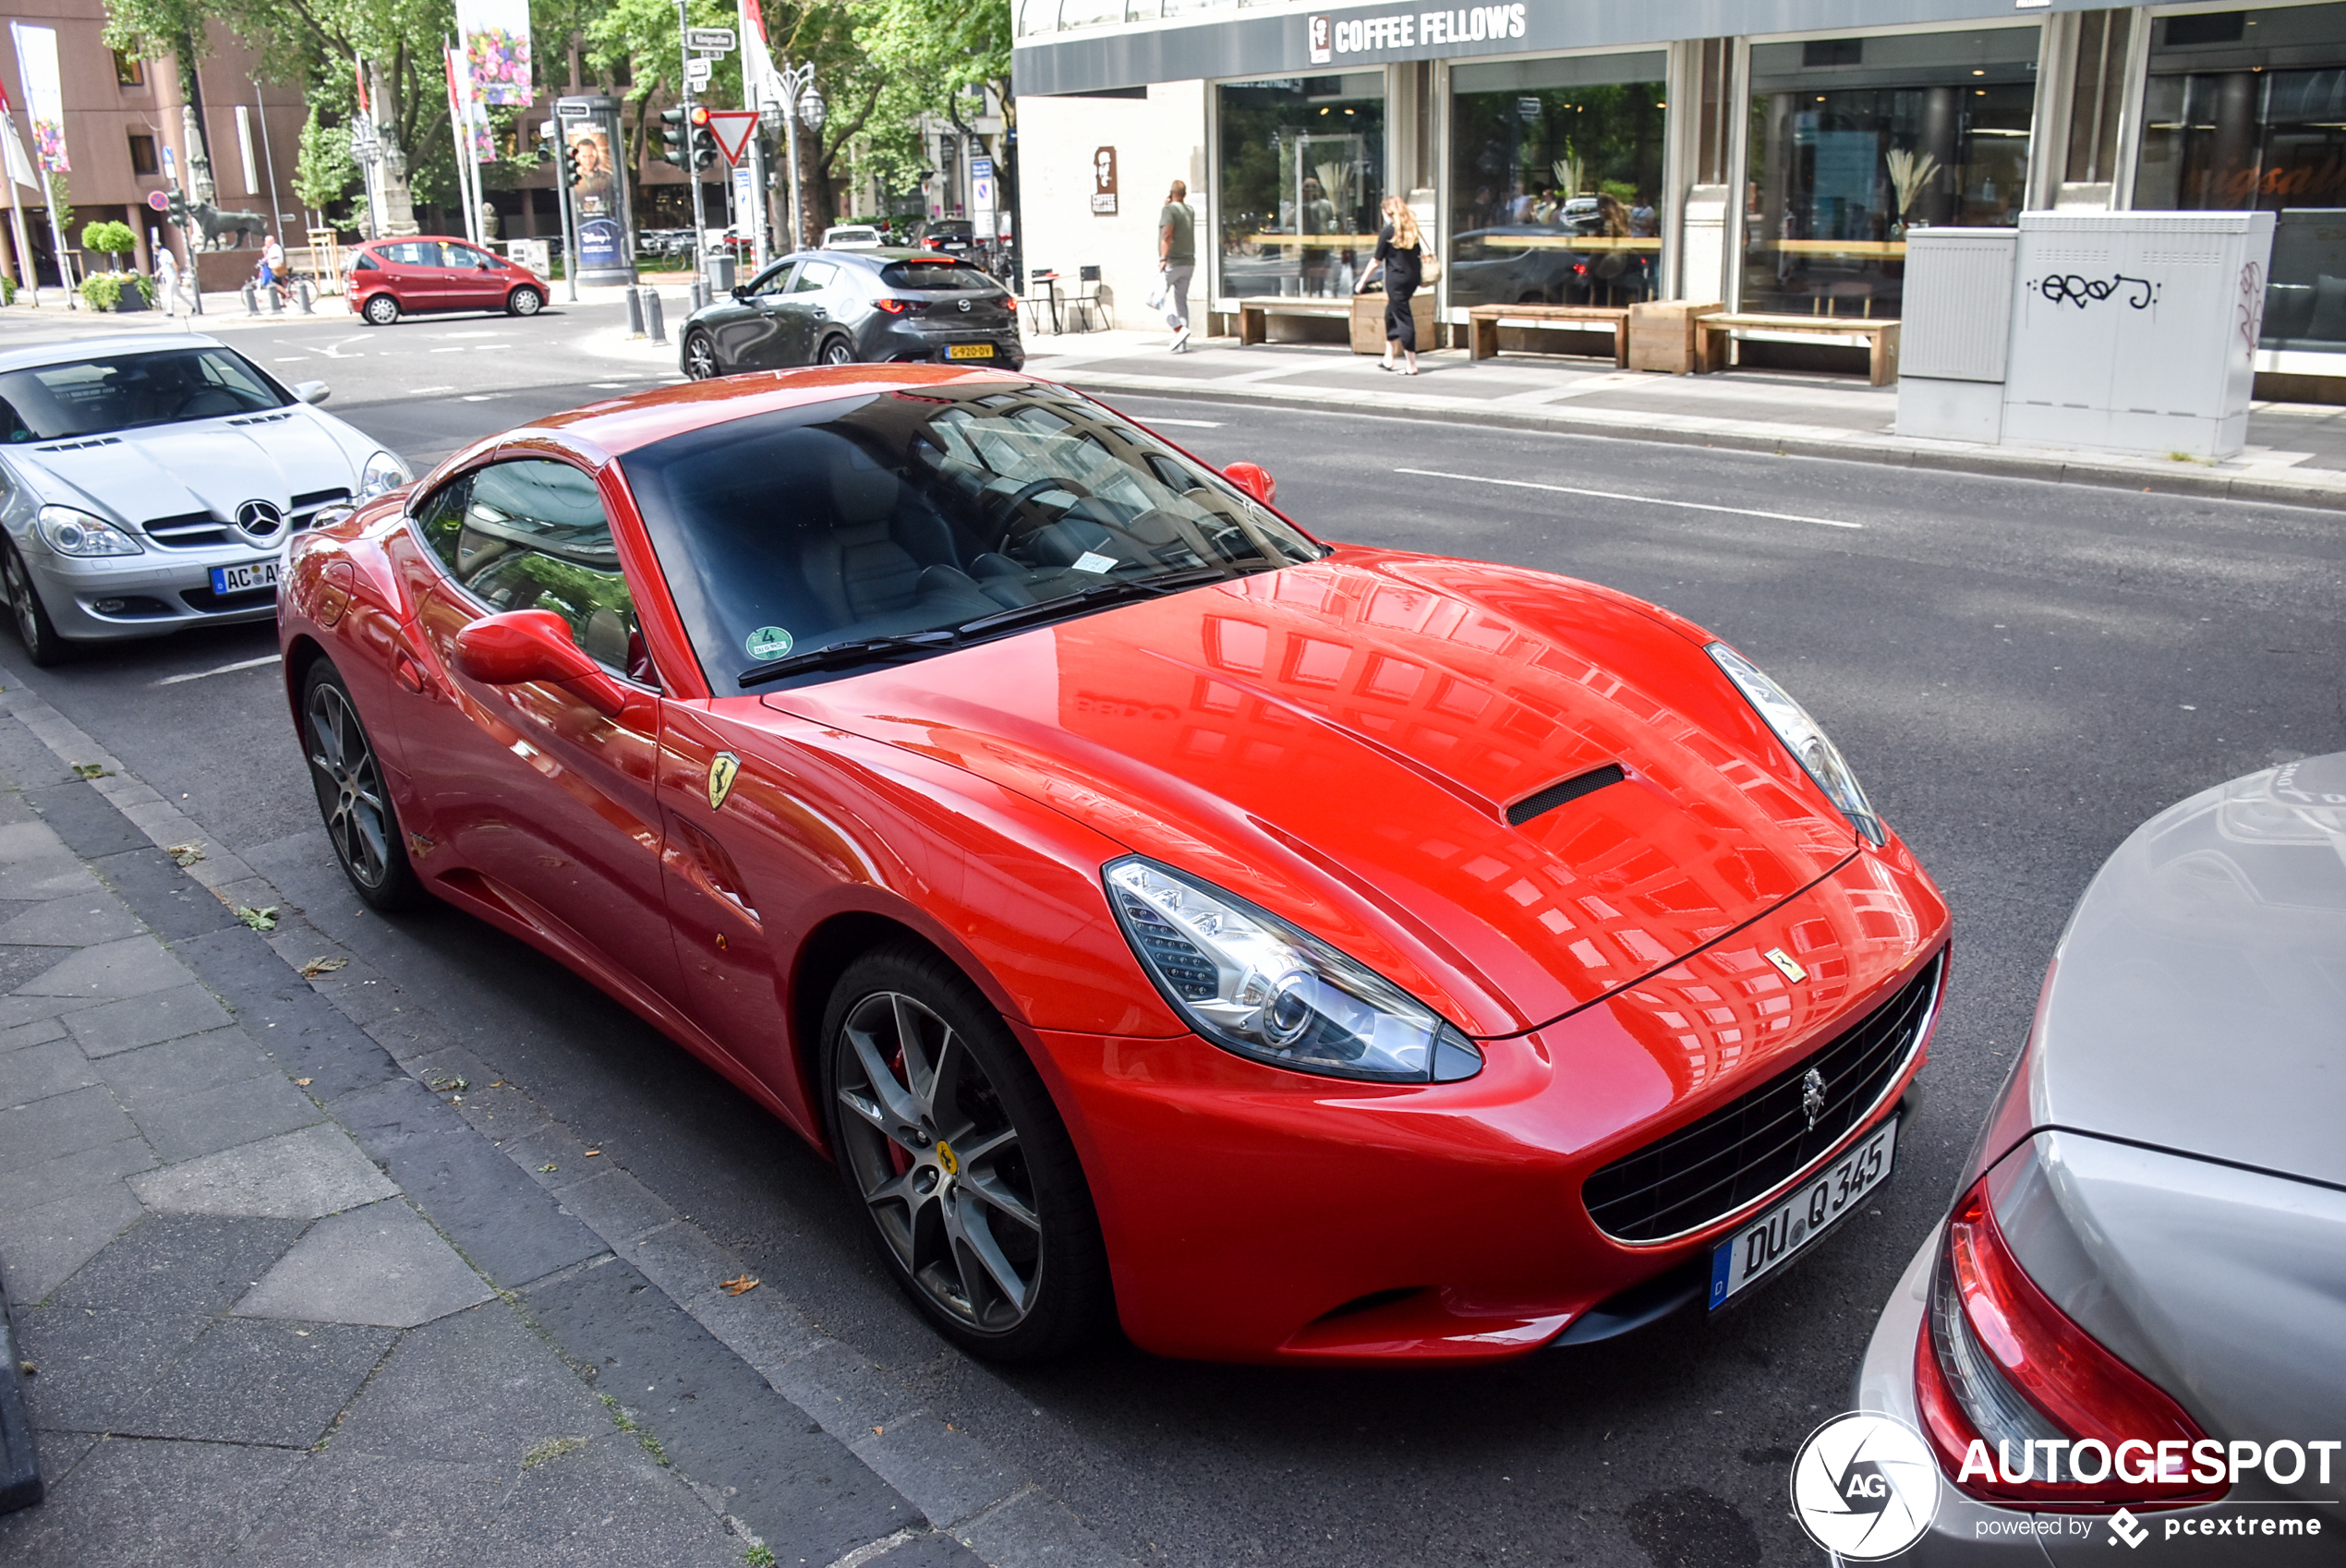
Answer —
(970, 351)
(244, 579)
(1770, 1239)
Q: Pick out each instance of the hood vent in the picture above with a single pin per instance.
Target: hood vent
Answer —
(262, 418)
(1564, 790)
(77, 446)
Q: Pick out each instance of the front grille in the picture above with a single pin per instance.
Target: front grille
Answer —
(307, 505)
(1753, 1144)
(189, 530)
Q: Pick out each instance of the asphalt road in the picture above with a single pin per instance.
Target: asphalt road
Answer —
(2019, 673)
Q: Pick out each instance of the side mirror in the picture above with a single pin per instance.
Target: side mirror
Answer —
(312, 391)
(523, 645)
(1254, 479)
(740, 290)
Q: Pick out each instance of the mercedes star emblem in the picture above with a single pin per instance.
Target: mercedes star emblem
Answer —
(1812, 1096)
(259, 518)
(966, 307)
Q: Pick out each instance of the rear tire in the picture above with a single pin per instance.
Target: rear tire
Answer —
(34, 628)
(837, 351)
(353, 795)
(380, 311)
(700, 356)
(525, 301)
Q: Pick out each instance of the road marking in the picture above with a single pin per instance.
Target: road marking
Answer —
(1618, 495)
(609, 386)
(461, 334)
(1192, 423)
(334, 350)
(224, 670)
(289, 359)
(419, 391)
(459, 349)
(482, 397)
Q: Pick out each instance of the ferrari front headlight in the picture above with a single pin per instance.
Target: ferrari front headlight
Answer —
(1802, 737)
(69, 531)
(1256, 986)
(384, 472)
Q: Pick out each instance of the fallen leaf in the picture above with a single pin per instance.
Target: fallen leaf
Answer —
(27, 1368)
(879, 1431)
(740, 1285)
(546, 1170)
(185, 854)
(303, 1081)
(450, 1086)
(318, 966)
(260, 920)
(91, 770)
(303, 1332)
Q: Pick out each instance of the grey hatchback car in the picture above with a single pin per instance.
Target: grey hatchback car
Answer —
(850, 306)
(2137, 1304)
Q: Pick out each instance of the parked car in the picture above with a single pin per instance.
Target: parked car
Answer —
(390, 278)
(2149, 1245)
(952, 236)
(852, 237)
(148, 484)
(1295, 952)
(843, 306)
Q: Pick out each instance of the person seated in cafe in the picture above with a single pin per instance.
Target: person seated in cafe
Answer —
(1319, 218)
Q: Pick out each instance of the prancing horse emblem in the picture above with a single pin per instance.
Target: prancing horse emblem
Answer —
(1786, 965)
(1812, 1096)
(721, 769)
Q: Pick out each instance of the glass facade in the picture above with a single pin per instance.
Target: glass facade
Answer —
(1555, 180)
(1855, 140)
(2247, 109)
(1300, 180)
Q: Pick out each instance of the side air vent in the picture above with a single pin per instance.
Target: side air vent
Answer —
(77, 446)
(1557, 794)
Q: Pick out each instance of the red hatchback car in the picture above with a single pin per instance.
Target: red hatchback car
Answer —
(390, 278)
(1294, 952)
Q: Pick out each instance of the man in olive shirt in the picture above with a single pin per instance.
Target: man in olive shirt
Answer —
(1177, 254)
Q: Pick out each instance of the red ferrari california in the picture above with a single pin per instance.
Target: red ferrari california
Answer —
(1287, 951)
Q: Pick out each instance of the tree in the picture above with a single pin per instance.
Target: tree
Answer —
(941, 50)
(325, 171)
(115, 239)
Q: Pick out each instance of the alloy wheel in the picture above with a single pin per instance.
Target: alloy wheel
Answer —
(350, 786)
(838, 352)
(21, 600)
(383, 310)
(525, 302)
(700, 358)
(935, 1155)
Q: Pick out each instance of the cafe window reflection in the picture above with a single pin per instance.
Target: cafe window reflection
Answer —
(1302, 179)
(1555, 172)
(1855, 140)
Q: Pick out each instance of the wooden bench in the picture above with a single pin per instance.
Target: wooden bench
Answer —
(1255, 313)
(1881, 337)
(1484, 321)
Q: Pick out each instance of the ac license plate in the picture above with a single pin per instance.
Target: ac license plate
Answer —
(970, 351)
(244, 579)
(1769, 1240)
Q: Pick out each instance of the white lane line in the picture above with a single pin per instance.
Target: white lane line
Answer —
(1190, 424)
(459, 349)
(224, 670)
(609, 386)
(482, 397)
(289, 359)
(419, 391)
(334, 350)
(1618, 495)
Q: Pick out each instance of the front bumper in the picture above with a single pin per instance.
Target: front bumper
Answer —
(164, 590)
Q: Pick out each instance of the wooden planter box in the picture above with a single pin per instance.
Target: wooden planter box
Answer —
(1368, 322)
(1662, 335)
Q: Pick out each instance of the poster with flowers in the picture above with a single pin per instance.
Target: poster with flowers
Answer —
(45, 97)
(495, 35)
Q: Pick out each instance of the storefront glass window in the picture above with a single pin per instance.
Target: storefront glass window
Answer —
(2247, 109)
(1301, 177)
(1855, 140)
(1555, 176)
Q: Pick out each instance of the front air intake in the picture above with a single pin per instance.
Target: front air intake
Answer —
(1558, 794)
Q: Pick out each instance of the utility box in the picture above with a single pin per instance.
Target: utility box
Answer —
(1661, 335)
(1956, 331)
(2135, 331)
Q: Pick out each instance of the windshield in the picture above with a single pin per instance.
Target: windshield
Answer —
(905, 513)
(123, 391)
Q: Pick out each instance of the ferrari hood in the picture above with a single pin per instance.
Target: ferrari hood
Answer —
(213, 465)
(1361, 745)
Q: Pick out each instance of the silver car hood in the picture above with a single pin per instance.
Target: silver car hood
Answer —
(213, 465)
(2198, 1001)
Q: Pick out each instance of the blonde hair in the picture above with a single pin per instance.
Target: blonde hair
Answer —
(1404, 224)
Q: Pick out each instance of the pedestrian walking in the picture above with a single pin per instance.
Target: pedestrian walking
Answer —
(1400, 257)
(167, 281)
(1177, 258)
(272, 266)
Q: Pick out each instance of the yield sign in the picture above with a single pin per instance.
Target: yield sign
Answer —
(731, 127)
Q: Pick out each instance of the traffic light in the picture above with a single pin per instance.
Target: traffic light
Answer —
(704, 139)
(675, 138)
(572, 173)
(177, 209)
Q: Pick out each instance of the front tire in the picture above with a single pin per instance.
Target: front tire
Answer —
(42, 644)
(353, 796)
(947, 1140)
(380, 311)
(700, 356)
(525, 301)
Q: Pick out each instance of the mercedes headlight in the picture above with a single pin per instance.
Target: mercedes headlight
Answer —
(1254, 984)
(71, 532)
(384, 472)
(1802, 737)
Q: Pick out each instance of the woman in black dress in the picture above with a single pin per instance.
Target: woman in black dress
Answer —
(1399, 252)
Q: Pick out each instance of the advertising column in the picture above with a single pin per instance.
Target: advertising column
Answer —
(590, 129)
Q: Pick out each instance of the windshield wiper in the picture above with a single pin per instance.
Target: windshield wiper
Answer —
(1097, 594)
(859, 650)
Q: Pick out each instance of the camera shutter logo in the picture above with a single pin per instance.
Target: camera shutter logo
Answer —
(1323, 40)
(1864, 1487)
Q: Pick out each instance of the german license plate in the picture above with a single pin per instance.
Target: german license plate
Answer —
(1770, 1239)
(244, 579)
(970, 351)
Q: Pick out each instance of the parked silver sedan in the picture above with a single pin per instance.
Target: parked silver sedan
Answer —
(150, 483)
(2139, 1299)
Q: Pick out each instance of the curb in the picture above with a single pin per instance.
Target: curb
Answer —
(19, 1456)
(1996, 464)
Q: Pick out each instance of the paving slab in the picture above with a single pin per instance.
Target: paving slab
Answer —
(300, 1176)
(134, 1502)
(476, 1385)
(72, 922)
(181, 1127)
(131, 967)
(40, 1031)
(97, 1363)
(55, 1067)
(62, 1124)
(40, 1248)
(47, 1181)
(184, 1067)
(380, 1265)
(248, 1381)
(187, 1009)
(200, 1261)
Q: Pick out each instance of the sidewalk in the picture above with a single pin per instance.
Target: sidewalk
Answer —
(2296, 452)
(296, 1280)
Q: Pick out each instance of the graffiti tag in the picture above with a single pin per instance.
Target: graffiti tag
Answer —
(2068, 288)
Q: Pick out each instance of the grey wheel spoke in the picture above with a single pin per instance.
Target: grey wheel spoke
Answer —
(995, 1196)
(920, 1068)
(899, 1105)
(899, 1189)
(871, 1111)
(975, 1242)
(975, 1148)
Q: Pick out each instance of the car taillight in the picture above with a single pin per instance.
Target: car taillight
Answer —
(2005, 1378)
(893, 307)
(1010, 300)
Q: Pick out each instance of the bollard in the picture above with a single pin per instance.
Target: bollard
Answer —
(700, 291)
(302, 293)
(277, 300)
(253, 301)
(635, 311)
(656, 319)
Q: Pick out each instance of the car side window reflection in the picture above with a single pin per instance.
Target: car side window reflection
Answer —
(532, 534)
(813, 276)
(775, 281)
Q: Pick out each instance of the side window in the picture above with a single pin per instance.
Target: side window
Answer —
(531, 535)
(813, 275)
(367, 262)
(465, 255)
(775, 280)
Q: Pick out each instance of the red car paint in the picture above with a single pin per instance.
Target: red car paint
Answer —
(427, 272)
(1336, 741)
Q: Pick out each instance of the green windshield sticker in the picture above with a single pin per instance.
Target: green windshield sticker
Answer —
(768, 642)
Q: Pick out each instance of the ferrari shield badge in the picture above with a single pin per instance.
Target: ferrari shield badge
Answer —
(722, 770)
(1786, 965)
